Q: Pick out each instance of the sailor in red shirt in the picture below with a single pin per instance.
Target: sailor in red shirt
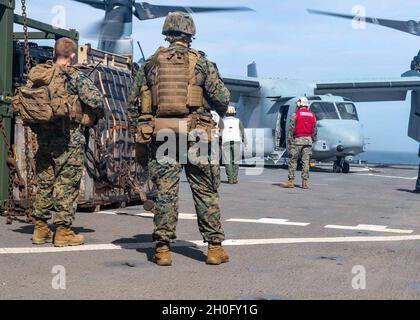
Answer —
(301, 136)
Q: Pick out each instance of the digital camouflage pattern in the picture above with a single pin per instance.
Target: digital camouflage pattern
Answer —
(204, 178)
(231, 157)
(304, 152)
(59, 159)
(179, 22)
(299, 148)
(59, 171)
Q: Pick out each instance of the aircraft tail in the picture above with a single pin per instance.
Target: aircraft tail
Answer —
(252, 70)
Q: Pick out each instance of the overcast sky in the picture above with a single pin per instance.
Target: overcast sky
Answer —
(288, 42)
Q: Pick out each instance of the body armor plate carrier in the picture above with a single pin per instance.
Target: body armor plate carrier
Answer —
(176, 92)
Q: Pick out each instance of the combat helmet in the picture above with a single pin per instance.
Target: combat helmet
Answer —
(179, 22)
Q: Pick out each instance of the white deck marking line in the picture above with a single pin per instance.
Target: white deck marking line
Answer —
(182, 216)
(383, 176)
(369, 227)
(271, 221)
(200, 243)
(279, 182)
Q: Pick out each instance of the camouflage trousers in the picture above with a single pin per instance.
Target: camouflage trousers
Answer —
(231, 157)
(296, 152)
(204, 181)
(59, 172)
(418, 181)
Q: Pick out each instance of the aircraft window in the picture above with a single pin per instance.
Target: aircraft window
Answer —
(347, 111)
(324, 110)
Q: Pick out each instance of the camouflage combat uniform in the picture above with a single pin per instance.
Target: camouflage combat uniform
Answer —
(60, 158)
(299, 148)
(204, 178)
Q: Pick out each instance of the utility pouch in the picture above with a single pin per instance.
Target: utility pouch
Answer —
(145, 129)
(179, 126)
(33, 105)
(145, 100)
(203, 125)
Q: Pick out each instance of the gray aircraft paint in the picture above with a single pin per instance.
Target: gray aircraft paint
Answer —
(259, 110)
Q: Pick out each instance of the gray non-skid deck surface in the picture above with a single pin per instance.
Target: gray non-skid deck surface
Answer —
(308, 269)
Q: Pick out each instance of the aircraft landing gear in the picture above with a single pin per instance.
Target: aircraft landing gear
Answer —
(346, 167)
(341, 166)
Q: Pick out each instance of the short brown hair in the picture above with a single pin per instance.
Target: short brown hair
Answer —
(64, 48)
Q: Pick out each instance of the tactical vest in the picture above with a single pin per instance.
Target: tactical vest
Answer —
(176, 92)
(46, 98)
(305, 122)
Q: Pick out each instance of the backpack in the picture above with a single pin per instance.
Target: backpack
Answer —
(45, 97)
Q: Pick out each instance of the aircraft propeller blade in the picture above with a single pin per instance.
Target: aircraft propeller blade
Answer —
(98, 4)
(146, 11)
(112, 27)
(411, 26)
(92, 30)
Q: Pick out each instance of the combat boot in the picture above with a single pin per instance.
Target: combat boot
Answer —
(162, 255)
(64, 237)
(42, 234)
(290, 184)
(216, 255)
(305, 184)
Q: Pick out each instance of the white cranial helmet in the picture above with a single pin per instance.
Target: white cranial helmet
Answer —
(303, 102)
(231, 110)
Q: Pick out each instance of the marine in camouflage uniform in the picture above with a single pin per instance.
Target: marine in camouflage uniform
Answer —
(231, 147)
(299, 148)
(60, 159)
(203, 177)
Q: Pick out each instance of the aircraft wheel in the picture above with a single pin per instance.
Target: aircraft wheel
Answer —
(337, 168)
(346, 167)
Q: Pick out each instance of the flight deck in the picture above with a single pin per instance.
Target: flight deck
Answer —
(283, 243)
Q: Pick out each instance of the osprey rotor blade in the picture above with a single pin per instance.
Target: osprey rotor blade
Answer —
(146, 11)
(411, 26)
(115, 22)
(111, 27)
(98, 4)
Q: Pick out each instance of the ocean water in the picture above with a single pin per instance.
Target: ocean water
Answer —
(389, 157)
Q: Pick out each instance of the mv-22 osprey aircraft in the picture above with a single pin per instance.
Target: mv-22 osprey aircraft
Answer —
(267, 104)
